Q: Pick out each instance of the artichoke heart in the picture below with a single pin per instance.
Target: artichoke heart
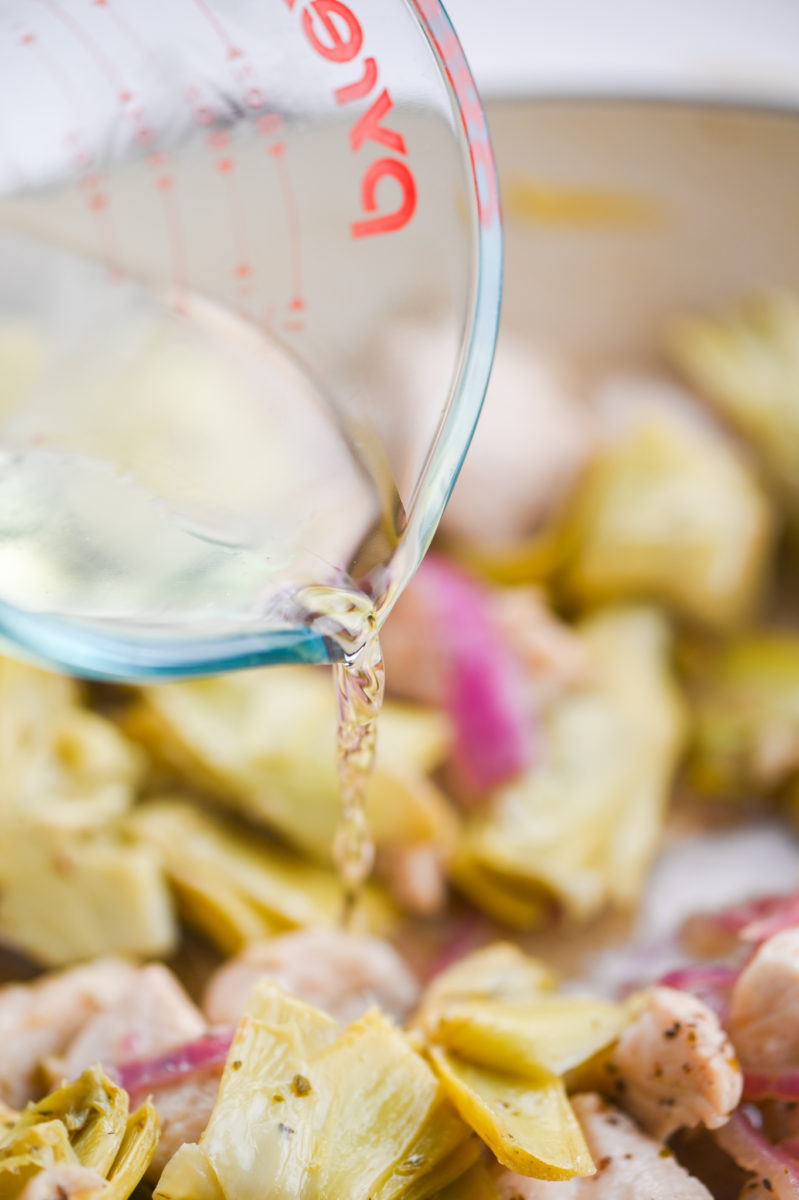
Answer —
(235, 888)
(746, 718)
(85, 1123)
(264, 742)
(581, 827)
(746, 361)
(67, 895)
(528, 1124)
(547, 1036)
(60, 761)
(675, 517)
(499, 972)
(308, 1112)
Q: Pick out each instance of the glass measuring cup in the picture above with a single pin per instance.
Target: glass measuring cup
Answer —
(212, 215)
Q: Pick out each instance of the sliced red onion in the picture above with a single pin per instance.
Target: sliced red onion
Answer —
(771, 1085)
(486, 695)
(711, 983)
(199, 1057)
(744, 1142)
(754, 921)
(778, 913)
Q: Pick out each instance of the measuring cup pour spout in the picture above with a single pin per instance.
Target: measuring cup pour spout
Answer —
(219, 221)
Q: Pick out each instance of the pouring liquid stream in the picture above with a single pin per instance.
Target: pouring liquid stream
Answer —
(359, 682)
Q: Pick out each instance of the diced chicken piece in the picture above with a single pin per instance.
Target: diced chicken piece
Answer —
(415, 877)
(342, 973)
(674, 1067)
(764, 1008)
(551, 652)
(153, 1015)
(630, 1165)
(64, 1181)
(185, 1110)
(38, 1020)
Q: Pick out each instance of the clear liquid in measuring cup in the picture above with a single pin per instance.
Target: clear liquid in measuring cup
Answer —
(179, 473)
(175, 473)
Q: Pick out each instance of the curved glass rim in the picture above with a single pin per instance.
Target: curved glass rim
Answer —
(77, 646)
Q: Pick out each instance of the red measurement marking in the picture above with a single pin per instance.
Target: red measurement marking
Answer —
(233, 50)
(91, 47)
(293, 326)
(122, 25)
(218, 139)
(269, 124)
(277, 150)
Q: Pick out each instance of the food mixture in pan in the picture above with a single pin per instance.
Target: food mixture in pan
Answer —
(596, 660)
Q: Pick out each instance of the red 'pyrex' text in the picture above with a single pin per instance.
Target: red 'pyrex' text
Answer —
(335, 33)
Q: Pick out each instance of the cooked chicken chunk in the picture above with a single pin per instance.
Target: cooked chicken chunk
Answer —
(415, 876)
(764, 1014)
(38, 1020)
(153, 1015)
(630, 1165)
(184, 1109)
(64, 1181)
(342, 973)
(673, 1065)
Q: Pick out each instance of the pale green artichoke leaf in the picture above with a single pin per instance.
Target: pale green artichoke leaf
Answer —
(745, 360)
(671, 516)
(238, 887)
(529, 1125)
(549, 1035)
(746, 717)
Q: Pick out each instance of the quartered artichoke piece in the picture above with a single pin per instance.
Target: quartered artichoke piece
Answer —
(71, 896)
(264, 742)
(673, 516)
(84, 1123)
(500, 1041)
(235, 887)
(527, 1123)
(746, 718)
(307, 1112)
(69, 888)
(60, 760)
(499, 972)
(746, 361)
(548, 1035)
(581, 827)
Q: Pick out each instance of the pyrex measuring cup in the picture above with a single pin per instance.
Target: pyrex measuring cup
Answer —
(213, 214)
